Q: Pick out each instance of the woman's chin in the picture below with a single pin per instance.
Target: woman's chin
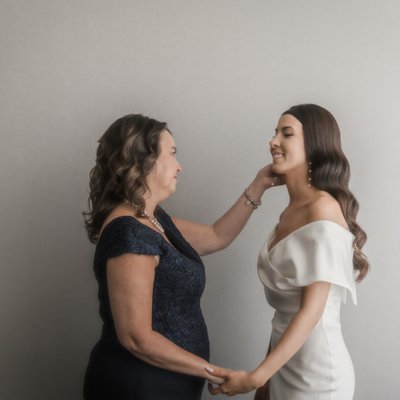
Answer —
(172, 190)
(275, 169)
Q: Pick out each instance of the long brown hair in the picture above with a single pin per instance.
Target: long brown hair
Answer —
(126, 154)
(331, 170)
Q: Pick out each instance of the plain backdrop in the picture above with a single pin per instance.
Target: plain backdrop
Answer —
(220, 72)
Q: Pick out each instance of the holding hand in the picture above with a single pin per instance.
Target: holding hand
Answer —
(212, 378)
(235, 382)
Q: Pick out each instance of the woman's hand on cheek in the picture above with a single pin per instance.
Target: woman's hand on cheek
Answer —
(269, 178)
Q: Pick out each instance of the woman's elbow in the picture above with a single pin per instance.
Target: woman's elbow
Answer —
(210, 248)
(313, 314)
(221, 243)
(136, 343)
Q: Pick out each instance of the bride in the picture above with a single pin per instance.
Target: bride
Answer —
(308, 266)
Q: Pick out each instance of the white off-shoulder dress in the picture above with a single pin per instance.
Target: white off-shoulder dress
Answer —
(319, 251)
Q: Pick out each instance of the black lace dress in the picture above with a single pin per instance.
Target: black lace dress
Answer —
(114, 373)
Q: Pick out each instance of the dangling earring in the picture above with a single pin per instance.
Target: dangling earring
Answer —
(309, 174)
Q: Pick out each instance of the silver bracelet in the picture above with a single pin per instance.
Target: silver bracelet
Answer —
(250, 201)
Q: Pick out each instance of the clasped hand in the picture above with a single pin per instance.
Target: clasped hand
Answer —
(235, 382)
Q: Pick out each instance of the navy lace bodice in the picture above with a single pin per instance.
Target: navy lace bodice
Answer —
(178, 284)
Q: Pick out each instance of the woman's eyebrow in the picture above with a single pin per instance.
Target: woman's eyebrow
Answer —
(283, 127)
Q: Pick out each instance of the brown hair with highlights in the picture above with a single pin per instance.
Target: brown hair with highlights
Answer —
(331, 170)
(126, 154)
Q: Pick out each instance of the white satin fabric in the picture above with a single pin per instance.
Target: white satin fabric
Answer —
(319, 251)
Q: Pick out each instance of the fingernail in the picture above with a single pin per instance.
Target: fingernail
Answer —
(209, 369)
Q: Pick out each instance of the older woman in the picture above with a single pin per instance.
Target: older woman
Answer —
(308, 265)
(154, 343)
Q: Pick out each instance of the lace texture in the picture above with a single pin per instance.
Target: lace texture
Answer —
(178, 284)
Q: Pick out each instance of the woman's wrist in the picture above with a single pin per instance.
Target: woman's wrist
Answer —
(250, 201)
(256, 189)
(207, 370)
(258, 378)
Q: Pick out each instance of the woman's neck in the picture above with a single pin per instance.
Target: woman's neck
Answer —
(150, 205)
(298, 189)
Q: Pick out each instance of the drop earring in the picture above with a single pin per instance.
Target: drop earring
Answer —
(309, 174)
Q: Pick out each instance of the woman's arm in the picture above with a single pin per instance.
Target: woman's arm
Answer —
(130, 280)
(207, 239)
(312, 306)
(262, 393)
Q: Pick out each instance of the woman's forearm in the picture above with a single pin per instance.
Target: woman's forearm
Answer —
(313, 301)
(228, 227)
(157, 350)
(207, 239)
(292, 339)
(263, 391)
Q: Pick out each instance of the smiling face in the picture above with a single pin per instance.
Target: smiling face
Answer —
(287, 146)
(163, 177)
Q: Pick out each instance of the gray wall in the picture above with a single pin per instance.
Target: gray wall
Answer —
(219, 72)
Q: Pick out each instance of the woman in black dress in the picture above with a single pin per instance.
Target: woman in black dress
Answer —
(154, 343)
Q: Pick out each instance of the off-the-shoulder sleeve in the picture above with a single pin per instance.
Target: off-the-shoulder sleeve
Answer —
(126, 235)
(321, 252)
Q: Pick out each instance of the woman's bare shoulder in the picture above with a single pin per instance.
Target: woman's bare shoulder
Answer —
(326, 207)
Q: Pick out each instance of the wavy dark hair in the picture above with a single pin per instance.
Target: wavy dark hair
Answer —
(331, 170)
(126, 154)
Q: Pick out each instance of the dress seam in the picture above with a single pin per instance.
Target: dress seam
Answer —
(330, 357)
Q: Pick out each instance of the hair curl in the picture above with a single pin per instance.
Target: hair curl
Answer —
(331, 170)
(126, 154)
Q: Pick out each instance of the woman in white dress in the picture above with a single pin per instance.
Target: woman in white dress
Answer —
(308, 265)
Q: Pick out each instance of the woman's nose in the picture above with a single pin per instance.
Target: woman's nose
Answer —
(274, 142)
